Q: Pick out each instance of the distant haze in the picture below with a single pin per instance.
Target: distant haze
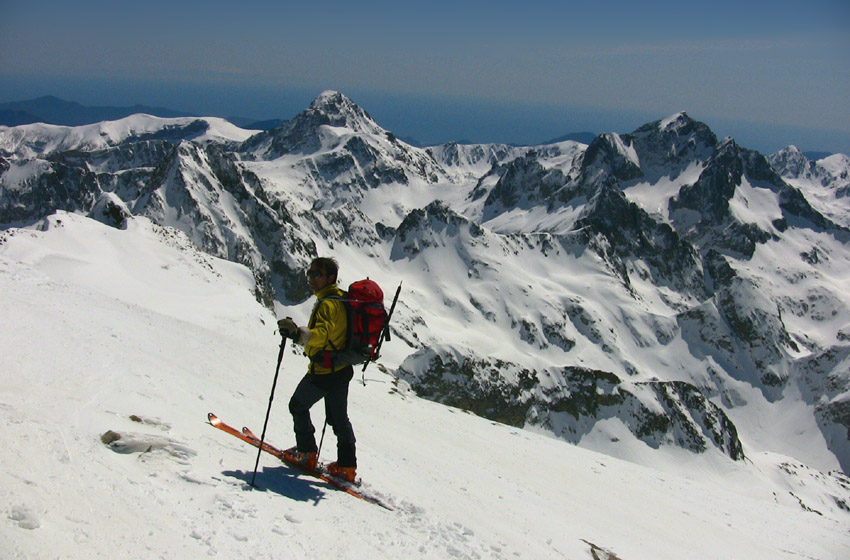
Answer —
(769, 73)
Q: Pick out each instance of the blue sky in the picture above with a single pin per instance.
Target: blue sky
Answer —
(768, 73)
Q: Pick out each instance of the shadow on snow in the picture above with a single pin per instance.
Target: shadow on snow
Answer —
(288, 482)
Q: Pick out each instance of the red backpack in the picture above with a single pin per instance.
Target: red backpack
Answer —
(364, 304)
(367, 325)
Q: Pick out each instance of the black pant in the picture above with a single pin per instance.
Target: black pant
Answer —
(333, 387)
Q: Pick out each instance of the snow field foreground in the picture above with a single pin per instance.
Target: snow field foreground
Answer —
(133, 332)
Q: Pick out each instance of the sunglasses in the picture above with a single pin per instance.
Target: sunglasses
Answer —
(315, 273)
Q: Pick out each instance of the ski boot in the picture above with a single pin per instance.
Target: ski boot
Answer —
(307, 459)
(347, 474)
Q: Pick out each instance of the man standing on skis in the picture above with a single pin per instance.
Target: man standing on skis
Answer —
(326, 331)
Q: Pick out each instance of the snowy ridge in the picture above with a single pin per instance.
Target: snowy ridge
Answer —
(29, 140)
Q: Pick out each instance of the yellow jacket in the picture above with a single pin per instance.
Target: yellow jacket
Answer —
(327, 328)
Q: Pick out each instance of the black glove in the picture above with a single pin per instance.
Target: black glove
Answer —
(288, 328)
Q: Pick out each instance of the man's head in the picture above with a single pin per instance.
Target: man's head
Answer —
(322, 272)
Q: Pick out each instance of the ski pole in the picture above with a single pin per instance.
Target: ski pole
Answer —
(322, 439)
(271, 398)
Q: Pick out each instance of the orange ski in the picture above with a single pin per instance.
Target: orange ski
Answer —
(250, 438)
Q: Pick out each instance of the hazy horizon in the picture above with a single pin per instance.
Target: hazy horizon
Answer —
(436, 121)
(767, 73)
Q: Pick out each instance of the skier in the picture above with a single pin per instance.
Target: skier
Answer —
(326, 330)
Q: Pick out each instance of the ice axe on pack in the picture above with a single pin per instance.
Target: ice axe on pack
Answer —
(385, 335)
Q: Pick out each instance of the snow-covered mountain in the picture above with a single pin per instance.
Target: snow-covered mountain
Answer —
(44, 139)
(648, 293)
(117, 343)
(825, 183)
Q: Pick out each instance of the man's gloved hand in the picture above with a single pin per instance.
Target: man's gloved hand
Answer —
(288, 328)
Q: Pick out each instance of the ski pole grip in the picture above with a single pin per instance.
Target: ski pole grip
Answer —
(280, 330)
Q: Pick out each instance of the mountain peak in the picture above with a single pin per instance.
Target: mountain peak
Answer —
(678, 126)
(792, 163)
(340, 111)
(675, 121)
(670, 145)
(304, 132)
(330, 96)
(790, 149)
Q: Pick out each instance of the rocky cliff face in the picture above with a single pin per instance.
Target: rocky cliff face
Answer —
(680, 286)
(569, 401)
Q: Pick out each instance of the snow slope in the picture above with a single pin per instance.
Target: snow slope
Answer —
(100, 324)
